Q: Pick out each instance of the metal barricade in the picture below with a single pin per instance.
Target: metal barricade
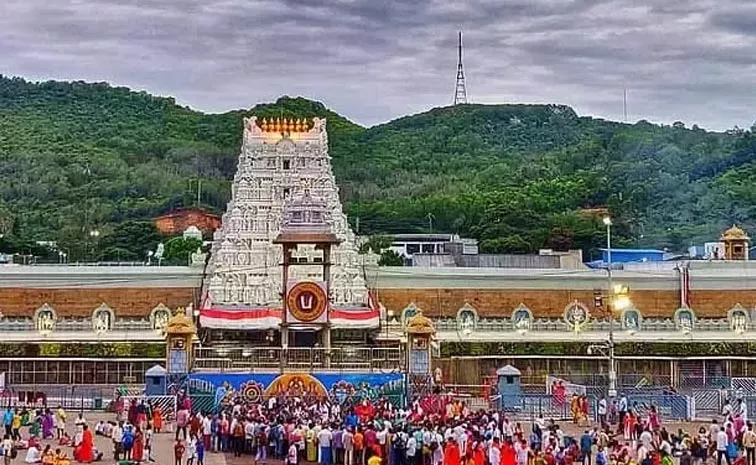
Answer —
(266, 359)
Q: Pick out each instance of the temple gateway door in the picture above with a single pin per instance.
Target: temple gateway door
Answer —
(305, 338)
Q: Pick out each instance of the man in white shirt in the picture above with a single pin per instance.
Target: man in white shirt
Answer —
(622, 408)
(722, 446)
(494, 453)
(642, 454)
(522, 452)
(347, 438)
(249, 436)
(116, 434)
(646, 439)
(293, 454)
(382, 437)
(324, 442)
(33, 455)
(602, 409)
(411, 449)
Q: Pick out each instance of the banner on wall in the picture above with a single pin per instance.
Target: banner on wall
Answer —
(342, 388)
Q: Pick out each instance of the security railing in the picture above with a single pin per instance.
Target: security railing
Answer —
(74, 324)
(597, 325)
(266, 359)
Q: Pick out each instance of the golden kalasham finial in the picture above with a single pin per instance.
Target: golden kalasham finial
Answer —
(284, 125)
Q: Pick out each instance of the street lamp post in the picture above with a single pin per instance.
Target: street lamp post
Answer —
(94, 234)
(610, 307)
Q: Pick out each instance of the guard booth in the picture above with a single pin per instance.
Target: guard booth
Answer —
(156, 381)
(509, 388)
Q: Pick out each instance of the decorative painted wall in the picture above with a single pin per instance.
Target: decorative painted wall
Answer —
(254, 387)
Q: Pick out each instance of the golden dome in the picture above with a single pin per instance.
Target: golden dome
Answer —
(735, 234)
(180, 323)
(420, 324)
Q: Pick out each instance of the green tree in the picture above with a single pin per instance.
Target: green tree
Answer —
(390, 258)
(377, 244)
(129, 240)
(178, 250)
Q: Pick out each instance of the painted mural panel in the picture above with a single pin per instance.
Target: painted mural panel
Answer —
(340, 387)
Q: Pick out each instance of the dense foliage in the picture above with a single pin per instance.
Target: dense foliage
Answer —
(699, 349)
(78, 157)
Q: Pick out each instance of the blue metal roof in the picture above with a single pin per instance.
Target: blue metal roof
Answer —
(639, 251)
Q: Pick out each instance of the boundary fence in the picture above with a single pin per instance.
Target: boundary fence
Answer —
(167, 404)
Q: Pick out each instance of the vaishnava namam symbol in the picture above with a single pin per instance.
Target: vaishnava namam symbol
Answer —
(307, 301)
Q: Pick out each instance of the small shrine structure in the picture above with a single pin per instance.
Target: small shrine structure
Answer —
(736, 243)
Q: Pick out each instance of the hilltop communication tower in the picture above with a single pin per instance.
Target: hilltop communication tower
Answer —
(460, 91)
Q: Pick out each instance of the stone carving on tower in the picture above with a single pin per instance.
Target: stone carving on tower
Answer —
(280, 159)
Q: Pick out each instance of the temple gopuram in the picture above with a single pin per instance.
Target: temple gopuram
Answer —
(282, 164)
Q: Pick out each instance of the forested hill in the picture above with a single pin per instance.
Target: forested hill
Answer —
(77, 156)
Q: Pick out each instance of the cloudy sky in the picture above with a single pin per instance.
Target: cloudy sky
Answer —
(374, 60)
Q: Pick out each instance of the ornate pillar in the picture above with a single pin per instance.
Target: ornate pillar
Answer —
(284, 290)
(180, 333)
(327, 279)
(420, 332)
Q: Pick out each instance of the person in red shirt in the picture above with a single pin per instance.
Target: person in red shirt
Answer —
(451, 453)
(178, 451)
(508, 453)
(479, 455)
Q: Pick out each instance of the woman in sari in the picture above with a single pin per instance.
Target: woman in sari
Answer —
(35, 428)
(48, 457)
(575, 408)
(137, 451)
(119, 407)
(47, 425)
(141, 415)
(84, 452)
(157, 419)
(133, 412)
(583, 409)
(312, 451)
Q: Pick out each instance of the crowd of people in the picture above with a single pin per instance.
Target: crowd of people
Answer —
(297, 430)
(301, 429)
(41, 436)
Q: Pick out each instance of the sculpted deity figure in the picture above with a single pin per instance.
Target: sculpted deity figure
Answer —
(102, 321)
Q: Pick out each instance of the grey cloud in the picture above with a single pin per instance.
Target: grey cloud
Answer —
(376, 60)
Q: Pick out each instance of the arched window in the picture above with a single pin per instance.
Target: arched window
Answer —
(522, 318)
(45, 318)
(159, 317)
(685, 319)
(576, 315)
(738, 318)
(631, 319)
(103, 318)
(467, 318)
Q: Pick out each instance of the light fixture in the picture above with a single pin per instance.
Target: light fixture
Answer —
(607, 221)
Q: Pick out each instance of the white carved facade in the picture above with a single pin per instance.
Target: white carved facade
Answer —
(275, 163)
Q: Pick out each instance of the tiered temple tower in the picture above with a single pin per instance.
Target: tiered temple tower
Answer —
(280, 161)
